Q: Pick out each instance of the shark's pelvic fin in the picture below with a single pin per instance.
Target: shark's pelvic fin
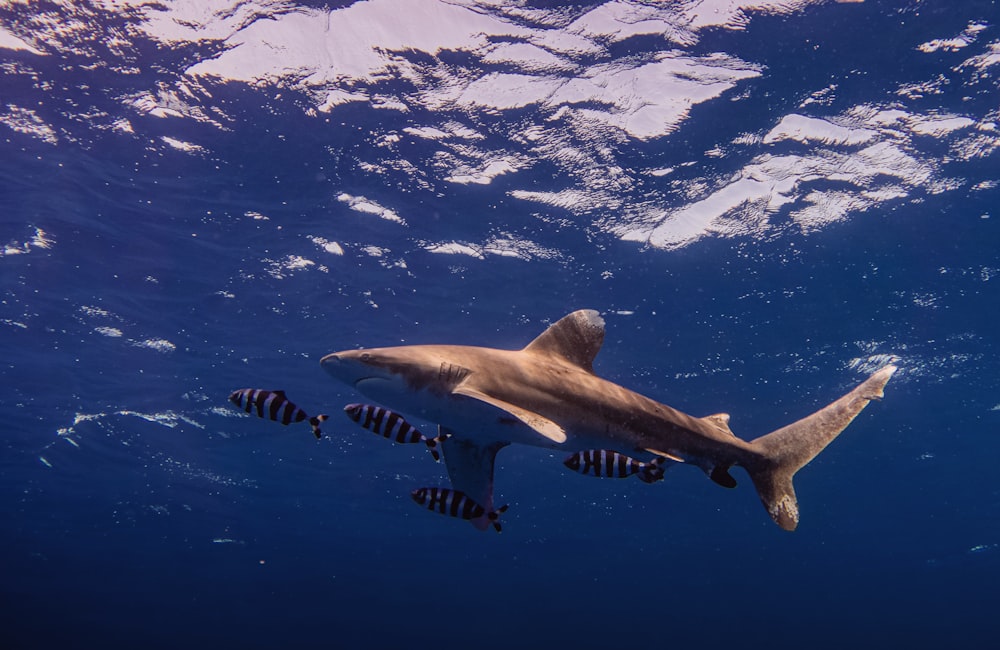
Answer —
(470, 468)
(540, 424)
(787, 450)
(576, 338)
(721, 476)
(664, 454)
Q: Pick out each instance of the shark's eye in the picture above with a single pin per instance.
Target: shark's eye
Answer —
(366, 357)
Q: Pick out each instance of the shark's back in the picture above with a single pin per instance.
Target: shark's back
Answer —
(553, 378)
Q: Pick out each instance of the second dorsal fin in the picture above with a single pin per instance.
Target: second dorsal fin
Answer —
(575, 338)
(721, 421)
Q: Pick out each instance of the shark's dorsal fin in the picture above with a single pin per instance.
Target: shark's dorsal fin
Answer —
(576, 338)
(540, 424)
(721, 421)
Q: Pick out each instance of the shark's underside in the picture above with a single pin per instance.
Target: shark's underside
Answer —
(547, 395)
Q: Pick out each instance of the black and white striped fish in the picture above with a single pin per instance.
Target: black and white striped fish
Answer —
(606, 462)
(389, 424)
(274, 405)
(455, 504)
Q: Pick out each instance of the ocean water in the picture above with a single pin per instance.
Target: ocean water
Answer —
(765, 200)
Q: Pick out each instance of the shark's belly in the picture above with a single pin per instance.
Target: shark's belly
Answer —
(605, 417)
(475, 420)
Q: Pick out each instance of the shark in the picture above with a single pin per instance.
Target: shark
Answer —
(548, 395)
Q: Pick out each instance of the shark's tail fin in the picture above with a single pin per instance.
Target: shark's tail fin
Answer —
(787, 450)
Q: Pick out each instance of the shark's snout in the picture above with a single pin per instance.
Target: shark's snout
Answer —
(352, 367)
(341, 368)
(329, 360)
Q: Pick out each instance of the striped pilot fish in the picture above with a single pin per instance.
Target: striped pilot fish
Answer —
(455, 504)
(391, 425)
(274, 405)
(606, 462)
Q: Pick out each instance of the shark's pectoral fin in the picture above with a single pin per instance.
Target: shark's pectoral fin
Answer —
(542, 425)
(470, 468)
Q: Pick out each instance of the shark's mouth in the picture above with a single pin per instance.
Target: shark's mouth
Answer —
(360, 383)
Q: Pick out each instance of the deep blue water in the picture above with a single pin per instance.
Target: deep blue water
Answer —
(813, 195)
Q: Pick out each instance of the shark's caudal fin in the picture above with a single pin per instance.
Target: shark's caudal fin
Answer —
(787, 450)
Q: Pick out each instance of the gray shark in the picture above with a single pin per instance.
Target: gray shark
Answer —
(547, 395)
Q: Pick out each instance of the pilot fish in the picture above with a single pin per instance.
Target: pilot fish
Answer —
(606, 462)
(455, 504)
(274, 405)
(391, 425)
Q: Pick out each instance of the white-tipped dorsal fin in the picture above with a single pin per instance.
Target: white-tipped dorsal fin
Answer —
(576, 338)
(721, 421)
(542, 425)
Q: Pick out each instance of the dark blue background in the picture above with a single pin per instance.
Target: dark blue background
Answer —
(218, 531)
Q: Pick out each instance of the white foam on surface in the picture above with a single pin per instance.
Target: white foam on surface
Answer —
(476, 90)
(367, 206)
(26, 120)
(955, 43)
(40, 240)
(12, 42)
(331, 247)
(807, 129)
(181, 145)
(159, 345)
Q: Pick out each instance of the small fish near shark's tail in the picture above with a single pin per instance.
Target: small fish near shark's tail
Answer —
(789, 449)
